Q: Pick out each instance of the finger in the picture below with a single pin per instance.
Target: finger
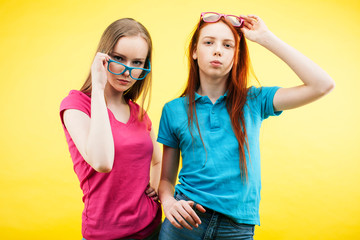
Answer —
(101, 55)
(246, 18)
(197, 206)
(155, 198)
(179, 217)
(248, 25)
(254, 16)
(192, 217)
(152, 194)
(184, 209)
(174, 222)
(250, 18)
(149, 190)
(200, 208)
(189, 214)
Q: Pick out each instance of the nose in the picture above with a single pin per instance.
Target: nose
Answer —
(126, 73)
(217, 50)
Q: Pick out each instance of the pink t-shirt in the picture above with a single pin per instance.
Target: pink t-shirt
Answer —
(116, 205)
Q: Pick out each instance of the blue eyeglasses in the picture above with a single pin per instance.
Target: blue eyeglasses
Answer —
(135, 73)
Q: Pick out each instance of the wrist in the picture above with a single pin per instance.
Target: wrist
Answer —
(168, 200)
(266, 39)
(97, 89)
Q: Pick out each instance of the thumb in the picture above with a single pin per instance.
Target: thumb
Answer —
(244, 30)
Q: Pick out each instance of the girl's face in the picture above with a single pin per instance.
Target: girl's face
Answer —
(131, 51)
(215, 51)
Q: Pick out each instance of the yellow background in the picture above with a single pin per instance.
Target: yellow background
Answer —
(310, 156)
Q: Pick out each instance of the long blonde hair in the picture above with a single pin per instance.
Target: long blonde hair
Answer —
(126, 27)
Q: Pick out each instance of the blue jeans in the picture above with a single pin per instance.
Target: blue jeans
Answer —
(213, 225)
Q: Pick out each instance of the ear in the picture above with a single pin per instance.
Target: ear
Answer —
(194, 55)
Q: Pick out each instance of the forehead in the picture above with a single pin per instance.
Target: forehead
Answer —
(132, 47)
(217, 30)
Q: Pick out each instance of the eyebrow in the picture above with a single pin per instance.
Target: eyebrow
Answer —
(123, 56)
(216, 38)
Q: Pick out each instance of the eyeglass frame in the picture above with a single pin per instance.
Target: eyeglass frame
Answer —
(127, 68)
(241, 20)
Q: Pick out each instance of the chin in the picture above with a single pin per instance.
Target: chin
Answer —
(119, 88)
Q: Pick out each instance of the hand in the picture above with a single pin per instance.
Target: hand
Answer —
(98, 70)
(150, 192)
(179, 211)
(254, 28)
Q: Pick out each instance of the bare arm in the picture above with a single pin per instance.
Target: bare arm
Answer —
(155, 169)
(92, 136)
(316, 82)
(173, 209)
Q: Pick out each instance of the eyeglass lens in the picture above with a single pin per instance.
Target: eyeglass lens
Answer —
(120, 69)
(212, 17)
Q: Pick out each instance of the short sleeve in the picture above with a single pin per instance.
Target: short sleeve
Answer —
(167, 134)
(266, 98)
(76, 100)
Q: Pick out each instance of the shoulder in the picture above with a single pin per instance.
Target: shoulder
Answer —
(76, 100)
(135, 110)
(134, 106)
(78, 94)
(75, 96)
(261, 100)
(177, 103)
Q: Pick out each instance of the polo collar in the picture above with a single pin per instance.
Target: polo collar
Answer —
(198, 96)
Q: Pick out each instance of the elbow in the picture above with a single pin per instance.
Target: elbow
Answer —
(330, 86)
(103, 169)
(327, 88)
(100, 161)
(103, 166)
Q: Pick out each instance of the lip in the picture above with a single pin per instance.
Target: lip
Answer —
(123, 81)
(216, 63)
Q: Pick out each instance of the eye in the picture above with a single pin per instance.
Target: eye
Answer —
(208, 42)
(117, 58)
(137, 63)
(228, 45)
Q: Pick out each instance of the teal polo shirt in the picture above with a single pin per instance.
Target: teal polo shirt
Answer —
(213, 179)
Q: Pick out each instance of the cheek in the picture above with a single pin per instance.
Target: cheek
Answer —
(230, 58)
(201, 57)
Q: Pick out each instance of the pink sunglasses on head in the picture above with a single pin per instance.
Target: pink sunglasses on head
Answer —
(211, 17)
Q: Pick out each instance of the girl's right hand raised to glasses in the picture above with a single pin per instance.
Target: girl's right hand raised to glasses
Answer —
(181, 213)
(98, 70)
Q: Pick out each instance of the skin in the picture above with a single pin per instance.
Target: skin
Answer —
(212, 45)
(214, 52)
(93, 136)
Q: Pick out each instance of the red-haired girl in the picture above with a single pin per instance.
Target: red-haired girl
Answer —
(215, 125)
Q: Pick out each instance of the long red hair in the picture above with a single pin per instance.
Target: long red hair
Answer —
(236, 89)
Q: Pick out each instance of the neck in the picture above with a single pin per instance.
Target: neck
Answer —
(212, 87)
